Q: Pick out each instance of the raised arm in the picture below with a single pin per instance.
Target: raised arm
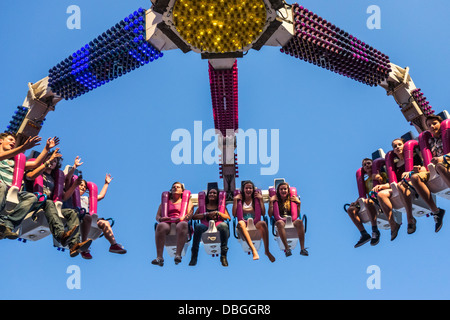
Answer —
(31, 142)
(102, 193)
(51, 142)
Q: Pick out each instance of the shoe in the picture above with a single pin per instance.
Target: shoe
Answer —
(223, 260)
(288, 252)
(158, 262)
(304, 252)
(363, 240)
(6, 232)
(177, 259)
(394, 232)
(117, 248)
(86, 255)
(79, 247)
(375, 238)
(412, 227)
(438, 218)
(68, 235)
(193, 261)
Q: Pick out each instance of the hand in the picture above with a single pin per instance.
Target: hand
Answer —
(31, 142)
(77, 162)
(273, 198)
(295, 199)
(258, 195)
(108, 178)
(436, 160)
(52, 142)
(55, 155)
(238, 197)
(405, 175)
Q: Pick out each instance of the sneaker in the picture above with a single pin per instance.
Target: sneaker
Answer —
(438, 218)
(6, 232)
(68, 235)
(117, 248)
(80, 247)
(363, 240)
(375, 238)
(86, 255)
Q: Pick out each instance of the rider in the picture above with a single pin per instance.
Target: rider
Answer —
(284, 199)
(249, 196)
(419, 179)
(353, 209)
(163, 228)
(212, 213)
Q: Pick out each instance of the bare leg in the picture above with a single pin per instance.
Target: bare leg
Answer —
(423, 192)
(162, 230)
(182, 231)
(262, 227)
(242, 226)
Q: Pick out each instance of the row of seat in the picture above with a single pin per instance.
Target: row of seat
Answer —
(436, 184)
(35, 226)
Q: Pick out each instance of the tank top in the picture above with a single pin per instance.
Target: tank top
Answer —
(174, 209)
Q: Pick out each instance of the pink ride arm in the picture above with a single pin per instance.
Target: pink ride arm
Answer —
(164, 204)
(390, 156)
(257, 209)
(276, 209)
(360, 183)
(59, 186)
(408, 154)
(377, 164)
(93, 194)
(19, 168)
(294, 205)
(184, 203)
(445, 133)
(425, 147)
(239, 210)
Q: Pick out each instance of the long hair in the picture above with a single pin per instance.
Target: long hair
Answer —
(284, 205)
(207, 196)
(253, 193)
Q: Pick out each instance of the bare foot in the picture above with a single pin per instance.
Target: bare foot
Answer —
(255, 255)
(270, 256)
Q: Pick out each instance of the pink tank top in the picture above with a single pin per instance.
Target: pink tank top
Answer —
(174, 209)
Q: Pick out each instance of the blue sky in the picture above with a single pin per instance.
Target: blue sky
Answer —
(327, 124)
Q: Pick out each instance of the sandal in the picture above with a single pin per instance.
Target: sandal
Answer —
(177, 259)
(288, 252)
(304, 252)
(412, 227)
(158, 262)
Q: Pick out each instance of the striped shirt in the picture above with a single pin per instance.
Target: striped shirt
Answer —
(7, 171)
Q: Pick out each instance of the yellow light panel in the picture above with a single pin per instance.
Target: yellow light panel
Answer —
(219, 26)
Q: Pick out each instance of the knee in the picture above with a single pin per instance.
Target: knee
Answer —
(87, 219)
(415, 178)
(280, 224)
(182, 226)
